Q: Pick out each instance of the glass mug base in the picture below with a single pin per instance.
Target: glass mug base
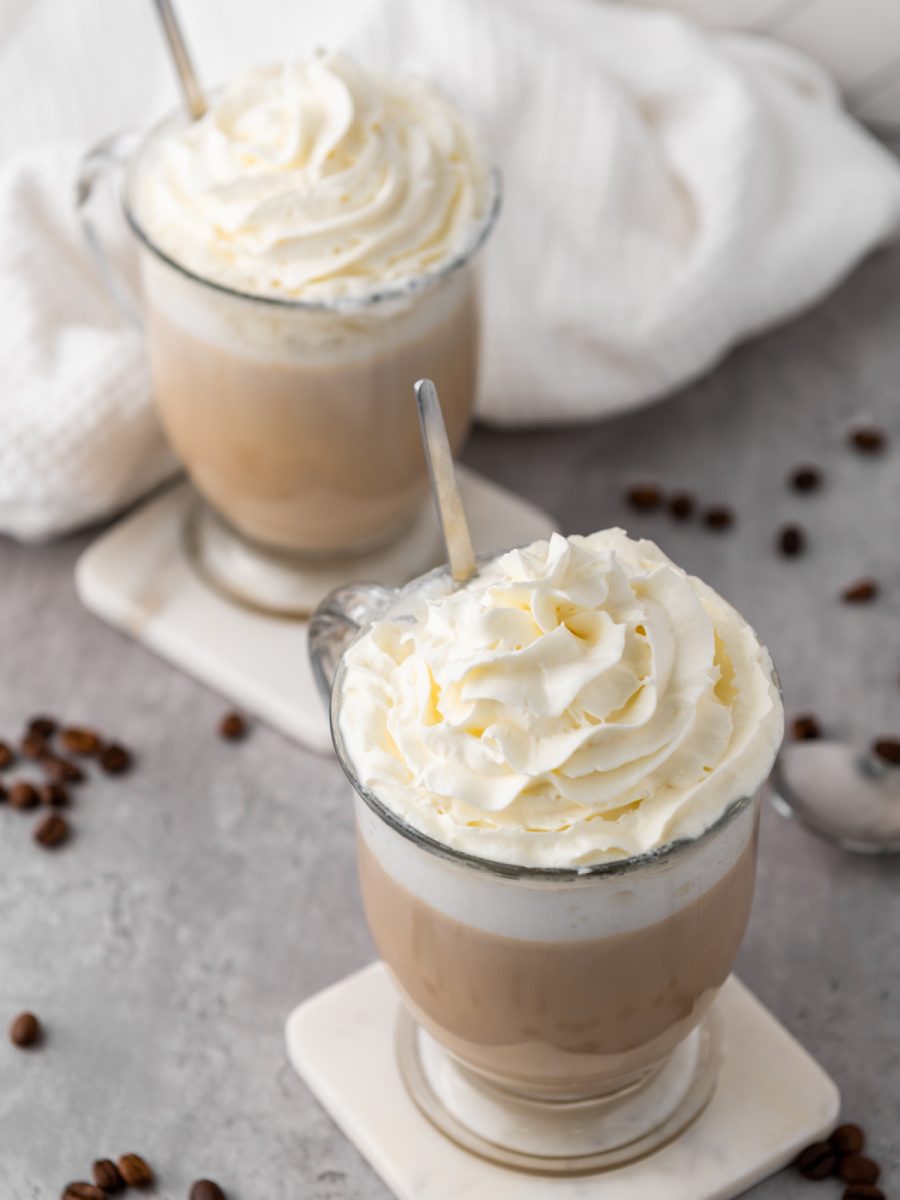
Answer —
(554, 1137)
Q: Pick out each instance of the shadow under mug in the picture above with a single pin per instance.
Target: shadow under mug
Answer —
(294, 419)
(555, 1020)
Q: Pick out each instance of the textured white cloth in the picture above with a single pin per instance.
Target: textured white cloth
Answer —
(668, 192)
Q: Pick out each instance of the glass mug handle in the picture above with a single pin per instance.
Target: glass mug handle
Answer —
(336, 622)
(111, 154)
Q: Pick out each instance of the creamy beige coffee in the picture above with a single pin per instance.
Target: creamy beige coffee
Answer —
(564, 759)
(311, 241)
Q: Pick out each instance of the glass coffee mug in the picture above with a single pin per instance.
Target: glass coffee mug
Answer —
(293, 418)
(555, 1020)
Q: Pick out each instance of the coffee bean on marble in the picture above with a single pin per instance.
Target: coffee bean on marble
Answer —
(107, 1176)
(115, 759)
(134, 1170)
(84, 742)
(863, 1191)
(806, 727)
(25, 1030)
(719, 518)
(816, 1161)
(83, 1191)
(856, 1168)
(54, 795)
(868, 439)
(888, 750)
(791, 541)
(682, 506)
(43, 726)
(51, 831)
(34, 746)
(7, 756)
(863, 591)
(3, 794)
(233, 727)
(205, 1189)
(62, 770)
(23, 795)
(644, 497)
(847, 1139)
(806, 479)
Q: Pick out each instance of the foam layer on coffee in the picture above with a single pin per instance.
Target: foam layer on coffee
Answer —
(316, 180)
(579, 701)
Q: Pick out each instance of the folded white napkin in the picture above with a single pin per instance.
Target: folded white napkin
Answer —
(668, 192)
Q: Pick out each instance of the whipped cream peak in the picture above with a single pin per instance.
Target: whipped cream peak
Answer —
(580, 700)
(316, 180)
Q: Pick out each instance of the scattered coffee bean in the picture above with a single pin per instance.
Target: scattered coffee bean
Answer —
(51, 832)
(864, 591)
(54, 795)
(806, 728)
(856, 1168)
(62, 770)
(43, 727)
(847, 1139)
(806, 479)
(7, 756)
(34, 746)
(868, 439)
(23, 796)
(791, 541)
(83, 1191)
(863, 1191)
(718, 517)
(80, 741)
(134, 1170)
(682, 506)
(3, 794)
(115, 759)
(106, 1176)
(205, 1189)
(232, 727)
(25, 1030)
(888, 749)
(644, 497)
(817, 1161)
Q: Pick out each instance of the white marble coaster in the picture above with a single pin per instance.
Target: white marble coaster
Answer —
(137, 577)
(771, 1100)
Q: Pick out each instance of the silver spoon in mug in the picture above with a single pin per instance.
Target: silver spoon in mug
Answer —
(187, 76)
(447, 499)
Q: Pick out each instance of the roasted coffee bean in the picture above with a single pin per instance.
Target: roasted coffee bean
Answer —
(51, 832)
(888, 749)
(863, 1191)
(106, 1176)
(3, 794)
(847, 1139)
(232, 727)
(205, 1189)
(80, 741)
(7, 756)
(791, 541)
(42, 726)
(868, 439)
(682, 506)
(806, 728)
(115, 759)
(83, 1191)
(719, 517)
(34, 746)
(806, 479)
(644, 497)
(23, 795)
(54, 795)
(134, 1170)
(864, 591)
(62, 770)
(817, 1161)
(856, 1168)
(25, 1030)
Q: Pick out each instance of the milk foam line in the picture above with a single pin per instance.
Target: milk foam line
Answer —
(543, 910)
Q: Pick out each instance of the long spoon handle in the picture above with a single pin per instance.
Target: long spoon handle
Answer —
(187, 76)
(452, 516)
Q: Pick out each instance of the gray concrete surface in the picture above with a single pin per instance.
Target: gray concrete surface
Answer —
(214, 888)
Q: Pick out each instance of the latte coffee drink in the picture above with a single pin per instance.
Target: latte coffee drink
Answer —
(307, 254)
(557, 769)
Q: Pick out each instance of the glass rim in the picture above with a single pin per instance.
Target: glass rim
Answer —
(340, 304)
(497, 867)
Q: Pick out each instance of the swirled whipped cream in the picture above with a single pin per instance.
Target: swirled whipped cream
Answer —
(316, 180)
(581, 700)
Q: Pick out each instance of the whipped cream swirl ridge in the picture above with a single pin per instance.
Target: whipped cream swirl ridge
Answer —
(315, 180)
(579, 701)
